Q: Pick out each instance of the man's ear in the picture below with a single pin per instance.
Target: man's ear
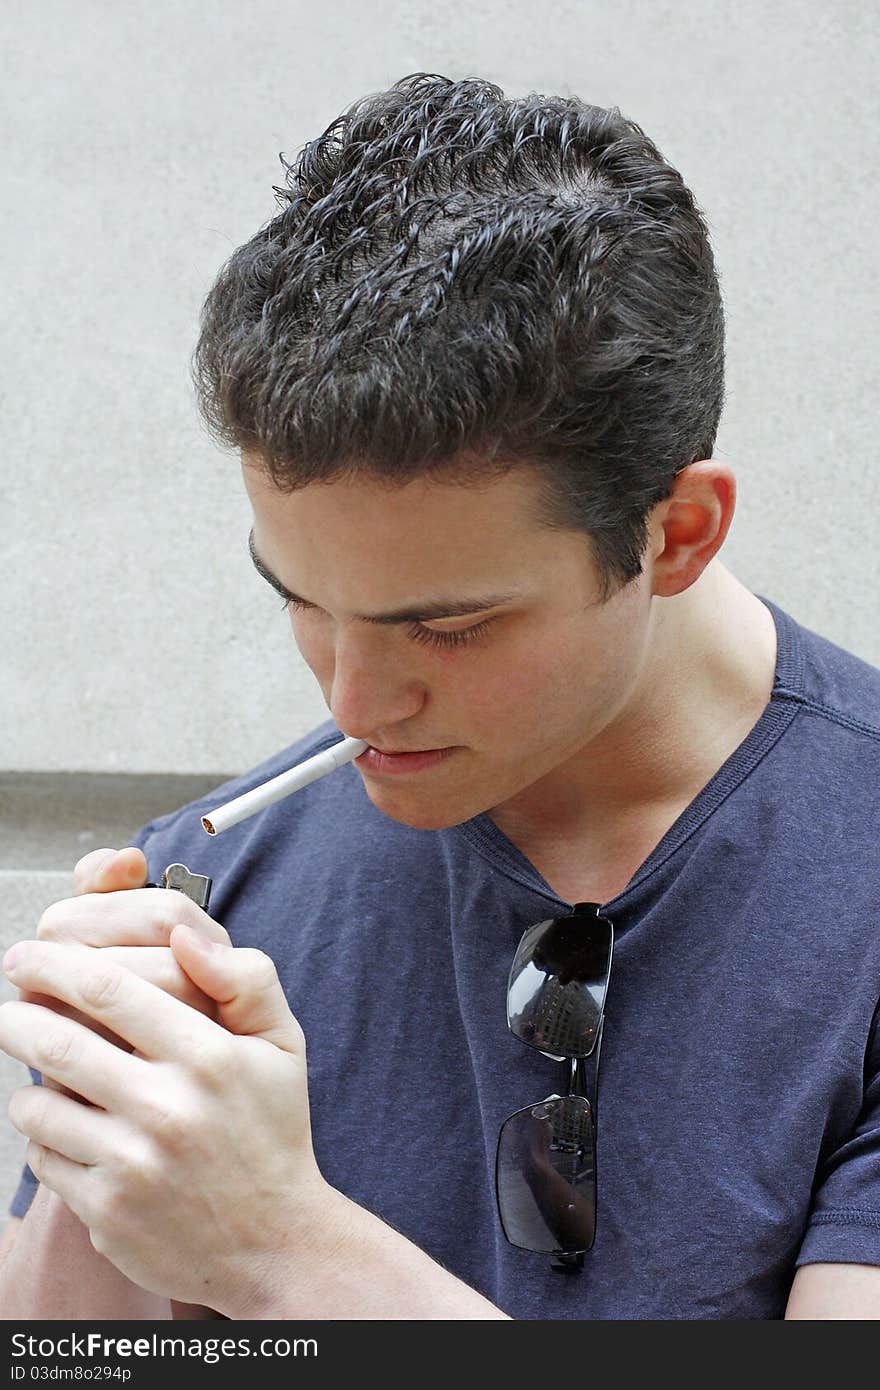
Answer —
(688, 528)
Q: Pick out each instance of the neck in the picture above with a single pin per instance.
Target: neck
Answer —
(707, 676)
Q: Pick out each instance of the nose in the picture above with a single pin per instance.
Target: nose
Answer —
(371, 691)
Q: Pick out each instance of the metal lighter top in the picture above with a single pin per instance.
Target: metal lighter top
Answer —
(197, 887)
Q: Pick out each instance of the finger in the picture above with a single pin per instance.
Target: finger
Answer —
(75, 1056)
(61, 1175)
(156, 1025)
(28, 996)
(109, 870)
(245, 984)
(49, 1003)
(52, 1119)
(158, 966)
(140, 917)
(155, 964)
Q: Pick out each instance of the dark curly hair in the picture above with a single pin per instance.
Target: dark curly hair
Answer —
(460, 283)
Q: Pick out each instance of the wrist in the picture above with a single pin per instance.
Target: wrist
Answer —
(283, 1277)
(347, 1263)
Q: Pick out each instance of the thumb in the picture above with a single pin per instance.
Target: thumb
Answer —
(244, 984)
(110, 871)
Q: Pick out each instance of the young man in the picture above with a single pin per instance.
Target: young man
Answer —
(475, 371)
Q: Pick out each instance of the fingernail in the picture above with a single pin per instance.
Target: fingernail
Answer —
(12, 957)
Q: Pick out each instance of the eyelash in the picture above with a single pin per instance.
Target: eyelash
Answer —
(425, 636)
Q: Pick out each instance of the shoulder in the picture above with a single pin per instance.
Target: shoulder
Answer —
(827, 678)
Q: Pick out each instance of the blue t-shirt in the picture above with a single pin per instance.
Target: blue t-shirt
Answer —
(739, 1090)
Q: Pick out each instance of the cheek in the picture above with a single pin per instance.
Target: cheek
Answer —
(531, 669)
(506, 695)
(543, 691)
(315, 647)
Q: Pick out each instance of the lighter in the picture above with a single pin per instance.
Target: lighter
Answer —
(195, 886)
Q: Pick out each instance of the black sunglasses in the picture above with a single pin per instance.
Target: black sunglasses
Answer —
(545, 1165)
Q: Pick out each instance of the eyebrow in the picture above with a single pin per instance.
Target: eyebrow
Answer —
(428, 611)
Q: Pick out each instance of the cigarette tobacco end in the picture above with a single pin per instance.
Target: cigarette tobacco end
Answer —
(208, 826)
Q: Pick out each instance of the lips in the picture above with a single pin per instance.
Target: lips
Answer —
(397, 752)
(385, 761)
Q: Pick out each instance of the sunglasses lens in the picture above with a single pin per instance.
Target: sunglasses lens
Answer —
(545, 1176)
(558, 981)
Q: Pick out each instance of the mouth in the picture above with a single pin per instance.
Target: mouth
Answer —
(385, 761)
(403, 752)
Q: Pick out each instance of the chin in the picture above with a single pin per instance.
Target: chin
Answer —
(420, 817)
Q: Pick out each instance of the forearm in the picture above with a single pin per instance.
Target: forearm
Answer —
(53, 1272)
(360, 1268)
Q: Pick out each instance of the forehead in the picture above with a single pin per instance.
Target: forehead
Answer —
(423, 514)
(363, 544)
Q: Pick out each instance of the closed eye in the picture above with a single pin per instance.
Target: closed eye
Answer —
(425, 636)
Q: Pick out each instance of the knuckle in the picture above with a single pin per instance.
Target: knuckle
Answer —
(100, 987)
(170, 978)
(56, 1048)
(136, 1169)
(260, 967)
(167, 1121)
(54, 925)
(170, 907)
(210, 1059)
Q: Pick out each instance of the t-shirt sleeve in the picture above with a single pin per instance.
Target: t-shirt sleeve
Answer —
(28, 1184)
(844, 1221)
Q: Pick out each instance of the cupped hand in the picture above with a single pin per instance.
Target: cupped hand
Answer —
(193, 1167)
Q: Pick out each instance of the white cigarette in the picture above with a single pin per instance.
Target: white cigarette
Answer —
(283, 785)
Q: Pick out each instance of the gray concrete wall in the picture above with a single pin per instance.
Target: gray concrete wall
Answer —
(141, 146)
